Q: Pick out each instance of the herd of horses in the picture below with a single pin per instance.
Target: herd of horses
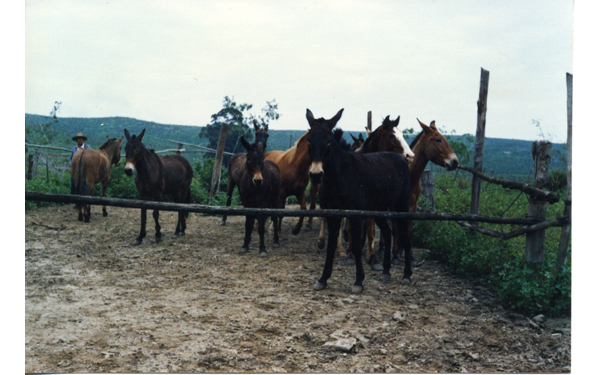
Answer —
(378, 173)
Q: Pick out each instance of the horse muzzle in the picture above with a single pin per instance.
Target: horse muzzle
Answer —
(129, 168)
(452, 163)
(316, 172)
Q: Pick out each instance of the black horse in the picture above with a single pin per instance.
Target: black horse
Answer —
(259, 187)
(157, 175)
(377, 181)
(237, 164)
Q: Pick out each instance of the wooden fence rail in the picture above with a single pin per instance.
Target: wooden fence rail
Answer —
(220, 210)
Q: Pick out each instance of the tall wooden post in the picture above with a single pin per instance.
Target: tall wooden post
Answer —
(479, 139)
(369, 121)
(565, 235)
(428, 188)
(534, 241)
(216, 177)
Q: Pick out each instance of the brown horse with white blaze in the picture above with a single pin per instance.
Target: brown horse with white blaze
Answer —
(92, 167)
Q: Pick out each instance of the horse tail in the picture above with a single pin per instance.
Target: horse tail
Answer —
(80, 176)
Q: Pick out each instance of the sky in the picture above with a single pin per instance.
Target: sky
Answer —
(173, 62)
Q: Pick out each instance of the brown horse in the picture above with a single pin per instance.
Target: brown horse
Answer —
(91, 166)
(259, 188)
(293, 168)
(157, 175)
(237, 164)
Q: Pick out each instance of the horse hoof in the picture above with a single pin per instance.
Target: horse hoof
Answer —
(80, 218)
(319, 286)
(377, 267)
(244, 250)
(137, 242)
(295, 231)
(307, 228)
(396, 261)
(104, 213)
(350, 261)
(275, 244)
(263, 254)
(321, 245)
(158, 239)
(406, 280)
(357, 289)
(223, 223)
(386, 277)
(86, 219)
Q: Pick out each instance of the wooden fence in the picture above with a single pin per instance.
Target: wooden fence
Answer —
(533, 226)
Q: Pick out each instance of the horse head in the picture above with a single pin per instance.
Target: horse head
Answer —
(320, 140)
(133, 150)
(255, 158)
(261, 135)
(388, 137)
(112, 147)
(436, 146)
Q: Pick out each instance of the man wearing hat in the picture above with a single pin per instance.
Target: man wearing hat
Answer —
(79, 138)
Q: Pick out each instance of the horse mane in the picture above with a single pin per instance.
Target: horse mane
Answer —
(416, 140)
(105, 144)
(289, 154)
(337, 135)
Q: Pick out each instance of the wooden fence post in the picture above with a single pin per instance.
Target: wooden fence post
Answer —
(33, 164)
(369, 121)
(216, 177)
(565, 235)
(479, 139)
(428, 188)
(534, 241)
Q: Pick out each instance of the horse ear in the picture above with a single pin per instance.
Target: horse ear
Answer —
(336, 118)
(245, 143)
(360, 137)
(368, 131)
(397, 121)
(141, 135)
(354, 138)
(267, 127)
(425, 127)
(119, 140)
(107, 138)
(256, 127)
(127, 135)
(309, 116)
(432, 125)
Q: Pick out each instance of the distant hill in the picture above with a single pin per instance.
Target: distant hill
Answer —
(510, 158)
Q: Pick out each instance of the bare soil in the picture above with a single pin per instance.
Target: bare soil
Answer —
(96, 303)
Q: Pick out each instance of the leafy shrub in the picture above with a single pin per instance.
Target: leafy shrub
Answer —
(57, 185)
(557, 179)
(519, 284)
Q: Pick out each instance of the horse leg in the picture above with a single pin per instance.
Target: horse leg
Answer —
(142, 234)
(313, 205)
(262, 250)
(275, 231)
(355, 232)
(158, 235)
(395, 245)
(230, 187)
(405, 239)
(371, 257)
(333, 225)
(351, 240)
(104, 186)
(248, 234)
(386, 234)
(302, 199)
(89, 191)
(321, 241)
(340, 242)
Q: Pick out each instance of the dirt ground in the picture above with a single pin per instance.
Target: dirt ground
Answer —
(96, 303)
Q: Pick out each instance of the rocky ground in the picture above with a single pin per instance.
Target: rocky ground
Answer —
(96, 303)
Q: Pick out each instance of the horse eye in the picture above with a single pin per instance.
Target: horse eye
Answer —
(438, 140)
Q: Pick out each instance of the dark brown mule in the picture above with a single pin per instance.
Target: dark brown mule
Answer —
(293, 169)
(259, 188)
(92, 167)
(376, 181)
(155, 176)
(237, 164)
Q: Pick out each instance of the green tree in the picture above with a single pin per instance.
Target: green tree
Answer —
(44, 133)
(240, 123)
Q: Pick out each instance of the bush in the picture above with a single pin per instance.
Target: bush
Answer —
(557, 179)
(501, 264)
